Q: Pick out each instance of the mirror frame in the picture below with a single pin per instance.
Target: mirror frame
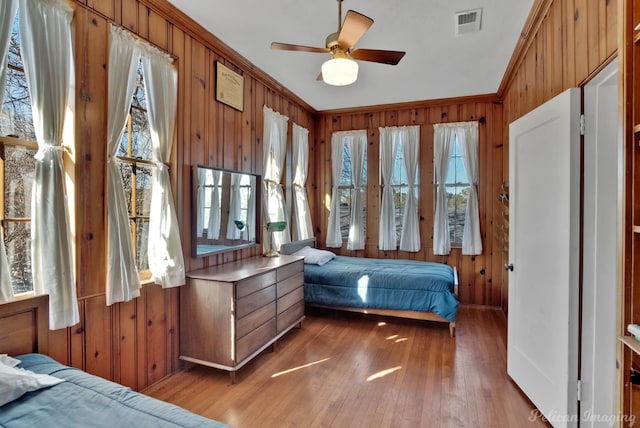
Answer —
(194, 213)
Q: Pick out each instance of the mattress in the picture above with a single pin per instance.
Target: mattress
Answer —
(366, 283)
(84, 400)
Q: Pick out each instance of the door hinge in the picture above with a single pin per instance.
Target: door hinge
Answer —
(579, 390)
(582, 124)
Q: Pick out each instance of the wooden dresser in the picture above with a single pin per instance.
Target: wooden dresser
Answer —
(232, 312)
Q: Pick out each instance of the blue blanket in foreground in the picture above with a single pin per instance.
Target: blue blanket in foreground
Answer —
(85, 400)
(382, 284)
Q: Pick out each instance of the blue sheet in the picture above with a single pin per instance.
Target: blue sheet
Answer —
(85, 400)
(382, 284)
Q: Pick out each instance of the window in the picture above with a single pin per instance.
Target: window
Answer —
(458, 188)
(17, 165)
(346, 193)
(400, 187)
(136, 167)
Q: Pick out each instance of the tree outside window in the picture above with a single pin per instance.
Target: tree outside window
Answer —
(17, 166)
(136, 167)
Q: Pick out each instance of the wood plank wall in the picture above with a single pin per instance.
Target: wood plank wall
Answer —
(477, 274)
(136, 343)
(564, 44)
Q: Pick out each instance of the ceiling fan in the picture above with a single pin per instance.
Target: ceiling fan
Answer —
(341, 69)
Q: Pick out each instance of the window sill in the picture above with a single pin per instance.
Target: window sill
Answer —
(25, 295)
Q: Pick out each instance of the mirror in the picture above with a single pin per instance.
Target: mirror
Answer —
(226, 210)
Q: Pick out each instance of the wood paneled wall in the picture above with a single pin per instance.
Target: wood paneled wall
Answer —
(136, 343)
(480, 275)
(564, 44)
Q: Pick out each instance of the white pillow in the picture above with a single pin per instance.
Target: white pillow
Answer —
(314, 256)
(15, 382)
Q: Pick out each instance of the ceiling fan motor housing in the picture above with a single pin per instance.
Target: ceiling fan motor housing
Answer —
(332, 41)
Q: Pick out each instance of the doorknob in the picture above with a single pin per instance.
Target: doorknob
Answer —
(508, 266)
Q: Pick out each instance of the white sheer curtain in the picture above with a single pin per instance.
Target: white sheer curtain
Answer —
(234, 208)
(203, 173)
(7, 14)
(47, 54)
(467, 133)
(334, 237)
(410, 146)
(357, 144)
(274, 149)
(442, 140)
(387, 229)
(213, 227)
(6, 288)
(166, 261)
(123, 283)
(301, 216)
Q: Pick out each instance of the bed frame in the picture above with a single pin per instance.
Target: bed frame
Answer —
(292, 247)
(24, 326)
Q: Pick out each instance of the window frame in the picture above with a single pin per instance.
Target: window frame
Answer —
(30, 145)
(397, 189)
(136, 164)
(349, 190)
(14, 141)
(455, 148)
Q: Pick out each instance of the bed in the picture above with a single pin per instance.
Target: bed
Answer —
(403, 288)
(37, 397)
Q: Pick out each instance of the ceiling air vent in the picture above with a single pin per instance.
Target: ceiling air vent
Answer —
(468, 21)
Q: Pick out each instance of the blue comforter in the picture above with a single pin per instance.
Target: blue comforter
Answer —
(85, 400)
(382, 284)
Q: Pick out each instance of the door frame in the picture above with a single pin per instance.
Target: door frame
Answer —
(603, 222)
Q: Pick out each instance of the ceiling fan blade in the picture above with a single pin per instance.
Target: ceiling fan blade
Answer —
(354, 26)
(298, 48)
(376, 55)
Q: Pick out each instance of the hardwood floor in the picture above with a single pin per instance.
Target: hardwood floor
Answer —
(351, 370)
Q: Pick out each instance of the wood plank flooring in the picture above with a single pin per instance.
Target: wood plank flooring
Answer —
(350, 370)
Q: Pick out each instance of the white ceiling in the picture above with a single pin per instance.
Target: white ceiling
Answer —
(437, 64)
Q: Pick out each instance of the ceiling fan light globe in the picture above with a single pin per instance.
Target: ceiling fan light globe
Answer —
(340, 71)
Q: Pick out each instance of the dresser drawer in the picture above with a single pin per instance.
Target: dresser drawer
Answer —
(290, 316)
(255, 283)
(254, 340)
(291, 269)
(288, 285)
(255, 319)
(254, 301)
(285, 302)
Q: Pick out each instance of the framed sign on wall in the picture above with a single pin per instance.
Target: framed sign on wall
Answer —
(229, 87)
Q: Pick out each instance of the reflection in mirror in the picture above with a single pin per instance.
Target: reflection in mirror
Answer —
(226, 210)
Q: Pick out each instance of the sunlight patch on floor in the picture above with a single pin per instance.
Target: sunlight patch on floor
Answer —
(383, 373)
(299, 367)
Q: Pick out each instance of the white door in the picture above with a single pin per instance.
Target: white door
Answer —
(544, 247)
(602, 247)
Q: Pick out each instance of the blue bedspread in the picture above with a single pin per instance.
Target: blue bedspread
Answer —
(382, 284)
(85, 400)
